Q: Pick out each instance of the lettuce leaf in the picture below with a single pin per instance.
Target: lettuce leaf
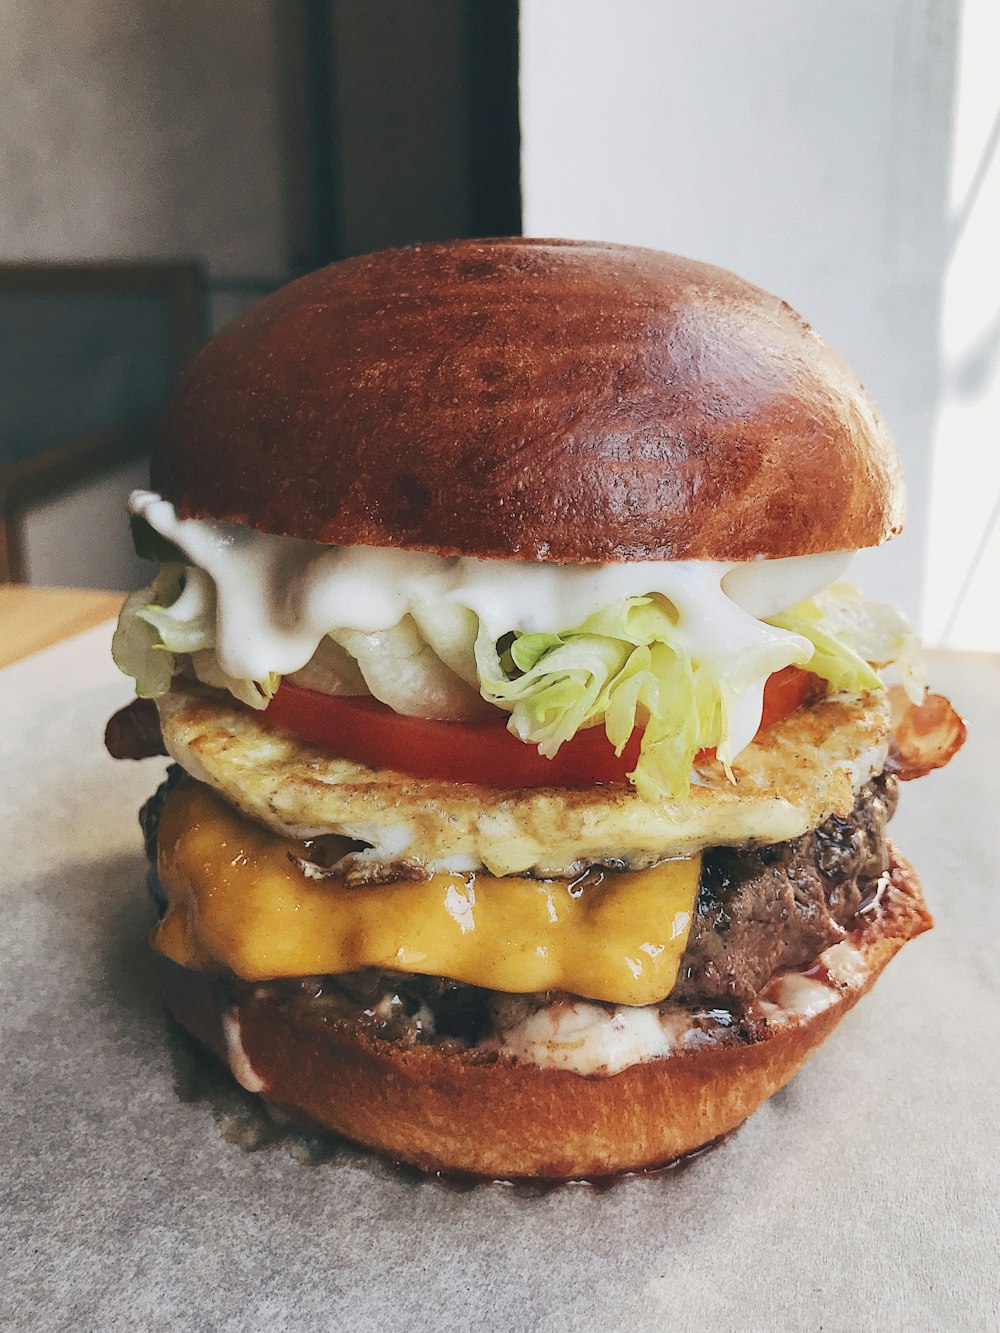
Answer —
(628, 666)
(402, 669)
(168, 627)
(451, 632)
(852, 636)
(137, 647)
(878, 632)
(631, 666)
(832, 659)
(255, 693)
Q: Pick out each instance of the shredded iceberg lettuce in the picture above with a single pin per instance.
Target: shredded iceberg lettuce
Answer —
(627, 667)
(402, 669)
(169, 626)
(831, 658)
(851, 636)
(878, 632)
(137, 647)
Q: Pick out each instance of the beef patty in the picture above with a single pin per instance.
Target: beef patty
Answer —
(758, 910)
(761, 909)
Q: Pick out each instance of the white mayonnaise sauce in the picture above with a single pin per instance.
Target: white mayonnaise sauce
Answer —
(277, 597)
(239, 1062)
(597, 1039)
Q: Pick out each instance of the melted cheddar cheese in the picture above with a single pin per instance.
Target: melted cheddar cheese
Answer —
(238, 903)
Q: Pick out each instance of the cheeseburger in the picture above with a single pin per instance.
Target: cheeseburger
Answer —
(532, 760)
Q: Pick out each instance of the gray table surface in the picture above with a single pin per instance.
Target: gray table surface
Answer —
(864, 1196)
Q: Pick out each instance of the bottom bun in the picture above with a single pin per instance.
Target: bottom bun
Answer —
(472, 1111)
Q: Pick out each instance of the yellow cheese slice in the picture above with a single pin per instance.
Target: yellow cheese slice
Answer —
(238, 903)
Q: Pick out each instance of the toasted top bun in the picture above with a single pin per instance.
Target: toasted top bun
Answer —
(545, 400)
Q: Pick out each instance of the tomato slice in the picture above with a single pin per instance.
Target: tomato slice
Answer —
(784, 691)
(485, 753)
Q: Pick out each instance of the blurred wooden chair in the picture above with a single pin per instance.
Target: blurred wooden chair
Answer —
(89, 354)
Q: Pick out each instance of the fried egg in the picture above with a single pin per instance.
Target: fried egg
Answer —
(797, 774)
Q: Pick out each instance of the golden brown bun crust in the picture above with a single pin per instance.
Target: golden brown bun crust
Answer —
(553, 400)
(447, 1111)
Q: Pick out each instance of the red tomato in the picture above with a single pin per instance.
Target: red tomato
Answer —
(485, 753)
(783, 693)
(361, 728)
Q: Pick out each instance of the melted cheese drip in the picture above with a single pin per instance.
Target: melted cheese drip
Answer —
(237, 902)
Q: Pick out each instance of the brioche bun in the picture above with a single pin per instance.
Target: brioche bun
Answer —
(556, 401)
(466, 1110)
(546, 400)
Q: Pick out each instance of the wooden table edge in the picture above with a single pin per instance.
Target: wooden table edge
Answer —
(35, 618)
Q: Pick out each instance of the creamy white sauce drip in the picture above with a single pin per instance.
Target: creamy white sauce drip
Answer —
(276, 597)
(239, 1062)
(595, 1039)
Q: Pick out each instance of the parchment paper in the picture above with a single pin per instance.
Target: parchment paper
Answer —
(862, 1197)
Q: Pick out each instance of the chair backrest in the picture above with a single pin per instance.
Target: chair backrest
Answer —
(89, 353)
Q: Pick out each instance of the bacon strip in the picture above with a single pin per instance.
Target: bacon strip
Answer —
(924, 736)
(134, 732)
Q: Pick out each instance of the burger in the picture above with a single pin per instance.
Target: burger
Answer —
(532, 762)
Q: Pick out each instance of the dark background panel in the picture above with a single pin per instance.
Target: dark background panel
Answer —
(402, 123)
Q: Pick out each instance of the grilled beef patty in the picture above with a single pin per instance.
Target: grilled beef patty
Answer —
(764, 908)
(758, 910)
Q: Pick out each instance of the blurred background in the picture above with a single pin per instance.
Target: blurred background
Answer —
(163, 163)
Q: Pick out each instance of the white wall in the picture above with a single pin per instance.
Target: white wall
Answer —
(141, 129)
(81, 538)
(963, 586)
(803, 145)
